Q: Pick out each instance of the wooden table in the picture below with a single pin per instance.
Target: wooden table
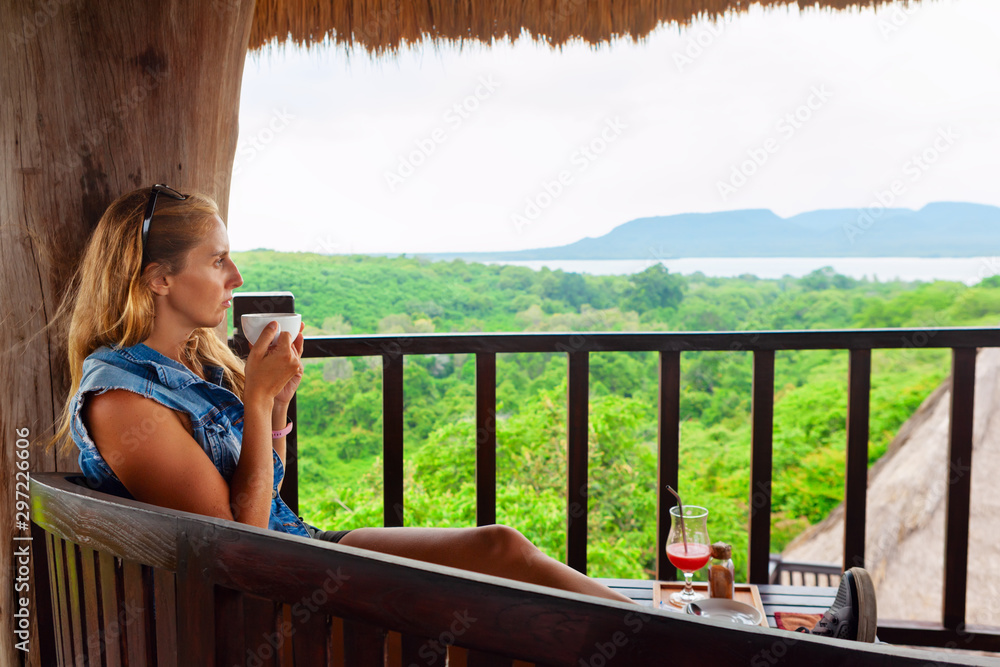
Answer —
(801, 599)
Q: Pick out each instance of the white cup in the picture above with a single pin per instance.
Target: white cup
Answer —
(254, 323)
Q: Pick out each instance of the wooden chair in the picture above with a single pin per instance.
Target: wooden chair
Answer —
(136, 584)
(788, 573)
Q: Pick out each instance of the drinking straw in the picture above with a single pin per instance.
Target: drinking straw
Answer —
(681, 517)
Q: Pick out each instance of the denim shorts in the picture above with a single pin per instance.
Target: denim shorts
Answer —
(327, 535)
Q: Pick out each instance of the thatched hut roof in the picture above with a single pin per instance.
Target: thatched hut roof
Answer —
(904, 537)
(383, 26)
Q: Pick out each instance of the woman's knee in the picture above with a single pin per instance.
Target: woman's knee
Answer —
(505, 544)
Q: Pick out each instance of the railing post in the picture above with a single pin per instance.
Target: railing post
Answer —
(959, 485)
(576, 501)
(859, 343)
(271, 302)
(486, 438)
(856, 472)
(762, 417)
(668, 456)
(392, 440)
(195, 601)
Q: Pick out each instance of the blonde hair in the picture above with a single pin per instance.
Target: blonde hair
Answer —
(110, 295)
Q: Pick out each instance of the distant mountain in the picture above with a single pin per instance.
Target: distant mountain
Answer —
(944, 229)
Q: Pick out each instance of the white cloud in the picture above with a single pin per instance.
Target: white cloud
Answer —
(895, 78)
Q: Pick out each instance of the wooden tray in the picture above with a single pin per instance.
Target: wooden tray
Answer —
(746, 593)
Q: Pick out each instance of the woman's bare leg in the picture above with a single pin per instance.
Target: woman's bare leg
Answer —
(496, 550)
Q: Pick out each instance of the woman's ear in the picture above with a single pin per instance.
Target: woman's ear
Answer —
(157, 279)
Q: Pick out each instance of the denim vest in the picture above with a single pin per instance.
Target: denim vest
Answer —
(216, 418)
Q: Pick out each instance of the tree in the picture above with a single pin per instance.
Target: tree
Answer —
(653, 289)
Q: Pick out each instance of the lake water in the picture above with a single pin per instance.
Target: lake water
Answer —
(968, 270)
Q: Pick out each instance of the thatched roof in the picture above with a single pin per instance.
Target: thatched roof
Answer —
(383, 26)
(904, 537)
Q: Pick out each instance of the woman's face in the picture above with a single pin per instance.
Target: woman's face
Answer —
(202, 291)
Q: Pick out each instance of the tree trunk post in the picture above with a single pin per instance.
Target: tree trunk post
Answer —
(96, 99)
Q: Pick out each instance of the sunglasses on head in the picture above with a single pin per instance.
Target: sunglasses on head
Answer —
(157, 190)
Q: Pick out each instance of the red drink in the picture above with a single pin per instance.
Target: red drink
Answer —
(694, 559)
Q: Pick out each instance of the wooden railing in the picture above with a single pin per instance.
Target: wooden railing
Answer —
(140, 585)
(859, 343)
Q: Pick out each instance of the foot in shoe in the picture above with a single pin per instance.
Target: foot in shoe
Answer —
(853, 614)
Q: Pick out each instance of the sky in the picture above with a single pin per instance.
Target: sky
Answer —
(443, 148)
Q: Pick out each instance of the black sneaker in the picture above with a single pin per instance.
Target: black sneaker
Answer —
(854, 613)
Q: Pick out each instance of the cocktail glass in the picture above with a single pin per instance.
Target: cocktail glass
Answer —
(688, 548)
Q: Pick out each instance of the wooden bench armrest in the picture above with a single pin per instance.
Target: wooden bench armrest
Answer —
(216, 574)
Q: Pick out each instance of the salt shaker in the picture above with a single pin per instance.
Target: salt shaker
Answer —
(721, 572)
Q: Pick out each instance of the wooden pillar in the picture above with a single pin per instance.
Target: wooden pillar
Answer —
(96, 99)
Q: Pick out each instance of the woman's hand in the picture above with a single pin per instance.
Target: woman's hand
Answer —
(285, 395)
(274, 366)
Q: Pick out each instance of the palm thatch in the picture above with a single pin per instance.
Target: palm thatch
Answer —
(904, 536)
(382, 26)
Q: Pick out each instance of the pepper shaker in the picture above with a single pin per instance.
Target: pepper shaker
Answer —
(721, 574)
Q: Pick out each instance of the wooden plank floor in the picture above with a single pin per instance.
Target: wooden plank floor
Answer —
(801, 599)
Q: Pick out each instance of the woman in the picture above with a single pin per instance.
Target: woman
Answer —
(162, 411)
